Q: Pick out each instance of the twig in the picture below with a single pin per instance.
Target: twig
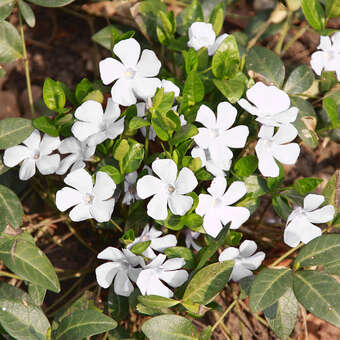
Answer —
(231, 306)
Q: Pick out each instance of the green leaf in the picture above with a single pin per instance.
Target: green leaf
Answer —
(269, 285)
(183, 252)
(300, 80)
(314, 14)
(113, 173)
(232, 89)
(193, 89)
(282, 315)
(51, 3)
(137, 122)
(3, 167)
(185, 132)
(6, 9)
(13, 131)
(19, 316)
(267, 64)
(80, 325)
(189, 15)
(245, 166)
(47, 125)
(306, 185)
(190, 60)
(27, 13)
(274, 183)
(208, 282)
(169, 327)
(25, 259)
(331, 108)
(155, 301)
(121, 149)
(11, 211)
(206, 333)
(95, 95)
(83, 88)
(37, 294)
(233, 238)
(319, 293)
(118, 305)
(323, 250)
(217, 18)
(330, 190)
(333, 8)
(133, 158)
(10, 43)
(281, 206)
(53, 94)
(140, 247)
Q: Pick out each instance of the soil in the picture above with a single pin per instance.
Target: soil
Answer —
(60, 47)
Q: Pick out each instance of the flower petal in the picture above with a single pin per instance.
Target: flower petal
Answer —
(236, 191)
(67, 198)
(204, 138)
(145, 279)
(122, 92)
(148, 185)
(317, 61)
(253, 262)
(80, 212)
(312, 202)
(90, 111)
(148, 65)
(169, 86)
(226, 115)
(212, 223)
(205, 203)
(166, 170)
(106, 272)
(48, 165)
(322, 215)
(146, 87)
(186, 181)
(247, 248)
(288, 116)
(48, 144)
(33, 141)
(174, 278)
(248, 107)
(236, 137)
(80, 180)
(112, 112)
(286, 154)
(69, 145)
(83, 130)
(122, 284)
(180, 204)
(162, 243)
(325, 43)
(228, 254)
(158, 288)
(285, 134)
(127, 51)
(112, 254)
(110, 70)
(237, 215)
(267, 164)
(66, 163)
(239, 272)
(212, 49)
(206, 117)
(102, 211)
(157, 208)
(104, 186)
(115, 129)
(173, 264)
(217, 187)
(27, 169)
(16, 154)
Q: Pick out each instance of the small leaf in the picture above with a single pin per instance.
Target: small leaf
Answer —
(169, 327)
(137, 122)
(51, 3)
(183, 252)
(245, 166)
(232, 89)
(113, 173)
(3, 167)
(185, 132)
(132, 158)
(5, 10)
(189, 15)
(314, 14)
(13, 131)
(330, 190)
(155, 301)
(27, 13)
(319, 293)
(193, 89)
(80, 325)
(300, 80)
(37, 293)
(47, 125)
(269, 285)
(281, 206)
(10, 43)
(217, 18)
(140, 247)
(53, 94)
(306, 185)
(208, 282)
(190, 60)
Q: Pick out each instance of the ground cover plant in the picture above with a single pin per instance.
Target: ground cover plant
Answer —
(171, 171)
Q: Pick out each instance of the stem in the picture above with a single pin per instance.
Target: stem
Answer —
(285, 29)
(13, 276)
(146, 154)
(206, 70)
(298, 34)
(116, 225)
(223, 315)
(290, 251)
(27, 68)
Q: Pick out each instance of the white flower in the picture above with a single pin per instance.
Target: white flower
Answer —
(79, 152)
(271, 105)
(169, 86)
(190, 236)
(129, 188)
(169, 190)
(149, 280)
(269, 148)
(244, 258)
(202, 34)
(215, 166)
(134, 76)
(300, 225)
(95, 126)
(34, 153)
(329, 56)
(157, 243)
(90, 201)
(216, 210)
(217, 135)
(183, 120)
(121, 269)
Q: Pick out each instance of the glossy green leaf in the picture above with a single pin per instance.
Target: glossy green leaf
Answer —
(185, 132)
(319, 293)
(282, 315)
(113, 173)
(281, 206)
(169, 327)
(80, 325)
(269, 285)
(137, 122)
(10, 43)
(331, 108)
(27, 13)
(232, 89)
(51, 3)
(193, 89)
(153, 301)
(332, 8)
(37, 293)
(267, 64)
(13, 131)
(47, 125)
(189, 15)
(314, 13)
(19, 316)
(118, 305)
(53, 94)
(329, 191)
(300, 80)
(206, 333)
(245, 166)
(132, 158)
(108, 36)
(140, 247)
(11, 211)
(208, 282)
(306, 185)
(184, 253)
(190, 60)
(6, 8)
(217, 18)
(24, 258)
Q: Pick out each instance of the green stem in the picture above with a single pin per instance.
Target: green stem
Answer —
(223, 315)
(298, 34)
(206, 70)
(27, 69)
(289, 252)
(116, 225)
(13, 276)
(285, 30)
(146, 146)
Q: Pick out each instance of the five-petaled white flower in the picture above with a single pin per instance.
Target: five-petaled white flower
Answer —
(134, 77)
(217, 135)
(130, 195)
(300, 225)
(216, 210)
(190, 237)
(121, 269)
(329, 56)
(168, 189)
(270, 147)
(244, 258)
(202, 34)
(35, 152)
(79, 152)
(270, 104)
(149, 280)
(94, 126)
(90, 201)
(157, 243)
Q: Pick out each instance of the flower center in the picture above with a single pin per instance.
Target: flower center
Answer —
(268, 143)
(171, 188)
(132, 189)
(213, 132)
(217, 202)
(89, 198)
(130, 73)
(36, 154)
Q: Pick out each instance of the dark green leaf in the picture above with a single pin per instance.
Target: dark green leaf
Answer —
(281, 206)
(185, 132)
(189, 15)
(27, 13)
(155, 301)
(3, 167)
(331, 108)
(183, 252)
(232, 89)
(217, 18)
(306, 185)
(53, 94)
(47, 125)
(245, 166)
(10, 43)
(6, 9)
(314, 14)
(319, 293)
(83, 88)
(51, 3)
(132, 158)
(330, 190)
(273, 183)
(269, 285)
(118, 305)
(37, 293)
(300, 80)
(233, 238)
